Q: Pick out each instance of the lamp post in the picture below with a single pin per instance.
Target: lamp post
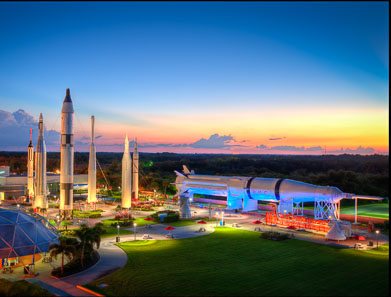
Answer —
(58, 221)
(285, 214)
(217, 218)
(118, 239)
(134, 230)
(377, 239)
(222, 218)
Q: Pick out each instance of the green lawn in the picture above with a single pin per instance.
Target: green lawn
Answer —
(138, 221)
(112, 231)
(233, 262)
(376, 210)
(181, 223)
(21, 288)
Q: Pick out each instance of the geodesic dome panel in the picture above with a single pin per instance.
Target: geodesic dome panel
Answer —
(22, 234)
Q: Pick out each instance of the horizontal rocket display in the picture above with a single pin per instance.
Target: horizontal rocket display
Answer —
(244, 192)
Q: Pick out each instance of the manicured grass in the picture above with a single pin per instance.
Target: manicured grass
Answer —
(185, 222)
(112, 231)
(138, 221)
(375, 210)
(87, 214)
(233, 262)
(181, 223)
(21, 288)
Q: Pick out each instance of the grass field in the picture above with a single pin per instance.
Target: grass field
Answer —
(21, 288)
(187, 222)
(375, 210)
(233, 262)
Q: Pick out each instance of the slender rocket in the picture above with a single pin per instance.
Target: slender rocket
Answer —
(40, 168)
(135, 171)
(66, 153)
(92, 167)
(126, 176)
(30, 167)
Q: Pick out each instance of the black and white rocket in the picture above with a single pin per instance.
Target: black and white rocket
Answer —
(66, 154)
(135, 171)
(30, 167)
(92, 167)
(40, 199)
(126, 195)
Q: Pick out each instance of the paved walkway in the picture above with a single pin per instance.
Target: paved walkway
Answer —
(112, 258)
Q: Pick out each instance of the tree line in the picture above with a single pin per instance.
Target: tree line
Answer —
(364, 175)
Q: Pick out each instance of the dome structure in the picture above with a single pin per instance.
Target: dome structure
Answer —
(22, 234)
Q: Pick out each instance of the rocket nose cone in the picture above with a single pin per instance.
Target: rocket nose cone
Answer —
(68, 96)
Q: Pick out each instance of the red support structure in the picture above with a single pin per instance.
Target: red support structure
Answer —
(296, 222)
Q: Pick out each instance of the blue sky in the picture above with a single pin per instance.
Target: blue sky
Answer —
(137, 65)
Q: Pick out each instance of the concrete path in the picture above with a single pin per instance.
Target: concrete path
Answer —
(111, 258)
(58, 287)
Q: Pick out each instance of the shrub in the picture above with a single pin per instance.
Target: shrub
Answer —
(124, 223)
(75, 266)
(272, 235)
(21, 288)
(68, 233)
(172, 216)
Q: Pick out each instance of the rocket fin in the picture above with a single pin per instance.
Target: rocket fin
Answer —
(186, 170)
(179, 174)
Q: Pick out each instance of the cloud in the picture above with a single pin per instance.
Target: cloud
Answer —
(277, 138)
(359, 150)
(15, 129)
(214, 141)
(261, 147)
(298, 149)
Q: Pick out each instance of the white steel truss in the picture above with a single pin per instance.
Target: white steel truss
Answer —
(325, 209)
(298, 208)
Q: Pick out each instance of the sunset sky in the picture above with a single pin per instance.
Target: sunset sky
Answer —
(212, 77)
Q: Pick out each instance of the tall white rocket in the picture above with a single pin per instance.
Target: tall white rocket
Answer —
(92, 167)
(40, 168)
(66, 154)
(126, 195)
(135, 171)
(30, 166)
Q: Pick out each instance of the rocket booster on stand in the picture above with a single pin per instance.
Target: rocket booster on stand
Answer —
(135, 171)
(30, 167)
(92, 167)
(126, 195)
(40, 168)
(66, 152)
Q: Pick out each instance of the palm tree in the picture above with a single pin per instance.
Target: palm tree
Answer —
(88, 238)
(66, 247)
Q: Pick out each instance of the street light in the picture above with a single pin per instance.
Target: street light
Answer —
(377, 239)
(134, 230)
(58, 221)
(118, 233)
